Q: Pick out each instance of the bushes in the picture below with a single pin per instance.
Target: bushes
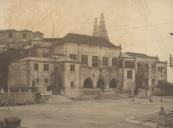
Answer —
(5, 60)
(166, 89)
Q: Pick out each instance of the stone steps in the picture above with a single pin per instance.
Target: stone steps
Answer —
(111, 91)
(58, 99)
(88, 97)
(108, 94)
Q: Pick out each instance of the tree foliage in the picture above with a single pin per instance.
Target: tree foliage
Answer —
(6, 58)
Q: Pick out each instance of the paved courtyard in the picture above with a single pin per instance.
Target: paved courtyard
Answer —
(85, 114)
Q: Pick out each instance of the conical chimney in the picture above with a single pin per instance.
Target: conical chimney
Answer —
(102, 28)
(96, 28)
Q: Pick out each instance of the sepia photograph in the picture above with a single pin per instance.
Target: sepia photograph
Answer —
(86, 63)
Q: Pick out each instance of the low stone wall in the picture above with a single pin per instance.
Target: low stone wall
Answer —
(86, 91)
(89, 94)
(19, 98)
(44, 98)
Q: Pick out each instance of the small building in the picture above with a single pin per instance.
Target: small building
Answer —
(127, 71)
(150, 72)
(44, 74)
(20, 39)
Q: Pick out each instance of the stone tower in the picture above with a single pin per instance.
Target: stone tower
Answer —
(100, 31)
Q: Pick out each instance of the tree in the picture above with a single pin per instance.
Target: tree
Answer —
(6, 58)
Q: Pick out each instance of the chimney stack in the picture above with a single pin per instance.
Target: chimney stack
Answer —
(96, 29)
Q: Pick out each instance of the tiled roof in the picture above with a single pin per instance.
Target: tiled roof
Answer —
(51, 39)
(8, 30)
(14, 30)
(38, 32)
(162, 62)
(88, 40)
(53, 59)
(124, 55)
(140, 55)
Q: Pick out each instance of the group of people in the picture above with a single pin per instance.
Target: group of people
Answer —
(149, 98)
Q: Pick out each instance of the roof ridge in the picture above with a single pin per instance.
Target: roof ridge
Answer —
(88, 39)
(141, 54)
(87, 36)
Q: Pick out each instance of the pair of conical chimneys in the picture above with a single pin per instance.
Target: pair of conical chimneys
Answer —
(100, 30)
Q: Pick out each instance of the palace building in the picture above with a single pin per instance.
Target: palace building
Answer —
(78, 64)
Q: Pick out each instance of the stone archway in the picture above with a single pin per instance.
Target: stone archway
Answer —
(113, 83)
(100, 84)
(88, 83)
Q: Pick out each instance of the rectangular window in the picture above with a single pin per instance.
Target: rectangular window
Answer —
(153, 68)
(114, 61)
(72, 84)
(146, 67)
(95, 61)
(129, 74)
(45, 55)
(46, 80)
(153, 81)
(10, 35)
(24, 35)
(138, 65)
(73, 56)
(37, 80)
(120, 63)
(84, 59)
(161, 69)
(105, 60)
(33, 83)
(72, 67)
(129, 64)
(46, 67)
(36, 67)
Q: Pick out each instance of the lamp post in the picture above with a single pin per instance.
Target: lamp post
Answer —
(8, 97)
(8, 92)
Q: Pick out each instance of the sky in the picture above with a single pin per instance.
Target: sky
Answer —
(138, 25)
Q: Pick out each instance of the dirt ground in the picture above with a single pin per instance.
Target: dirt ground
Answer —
(85, 114)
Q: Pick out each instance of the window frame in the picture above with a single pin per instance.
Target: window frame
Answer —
(73, 56)
(95, 61)
(72, 84)
(84, 59)
(114, 61)
(72, 67)
(10, 35)
(24, 35)
(45, 67)
(129, 74)
(36, 66)
(46, 80)
(105, 61)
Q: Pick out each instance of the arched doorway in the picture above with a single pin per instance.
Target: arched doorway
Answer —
(100, 84)
(113, 83)
(88, 83)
